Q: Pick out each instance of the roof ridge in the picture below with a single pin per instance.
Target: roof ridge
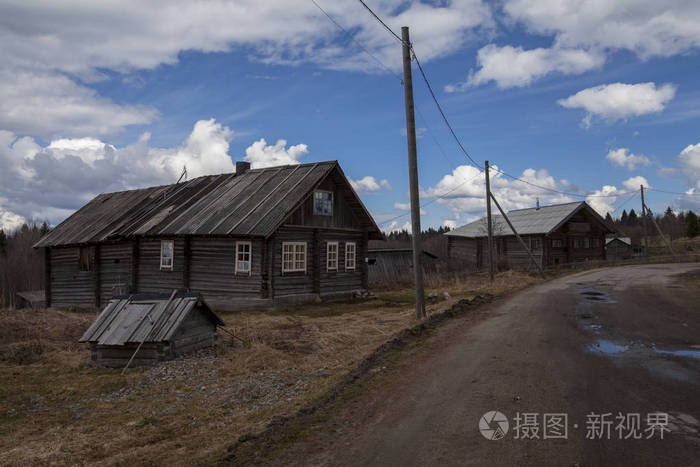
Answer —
(547, 206)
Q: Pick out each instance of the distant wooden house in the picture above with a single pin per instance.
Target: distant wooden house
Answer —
(388, 265)
(251, 238)
(618, 248)
(150, 328)
(557, 234)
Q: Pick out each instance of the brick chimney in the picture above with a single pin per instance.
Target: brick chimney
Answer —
(242, 167)
(538, 201)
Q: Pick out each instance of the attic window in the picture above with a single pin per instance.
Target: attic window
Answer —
(323, 203)
(167, 250)
(86, 258)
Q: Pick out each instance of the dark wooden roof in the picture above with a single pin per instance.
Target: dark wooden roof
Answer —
(254, 203)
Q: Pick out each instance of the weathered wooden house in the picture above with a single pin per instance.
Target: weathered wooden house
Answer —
(251, 238)
(389, 265)
(145, 328)
(557, 234)
(618, 248)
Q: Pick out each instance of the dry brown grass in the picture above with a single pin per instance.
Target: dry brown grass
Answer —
(56, 410)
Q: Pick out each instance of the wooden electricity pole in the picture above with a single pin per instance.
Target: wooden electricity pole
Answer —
(413, 174)
(644, 222)
(489, 221)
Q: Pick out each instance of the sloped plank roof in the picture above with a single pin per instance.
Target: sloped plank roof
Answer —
(253, 203)
(528, 221)
(144, 318)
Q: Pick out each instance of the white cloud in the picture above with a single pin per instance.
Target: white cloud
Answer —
(633, 183)
(407, 207)
(10, 221)
(666, 171)
(602, 200)
(513, 66)
(620, 101)
(463, 191)
(645, 27)
(623, 158)
(369, 183)
(52, 52)
(689, 159)
(49, 104)
(451, 223)
(394, 226)
(260, 154)
(50, 182)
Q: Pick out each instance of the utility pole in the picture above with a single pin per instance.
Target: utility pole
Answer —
(489, 221)
(644, 222)
(413, 174)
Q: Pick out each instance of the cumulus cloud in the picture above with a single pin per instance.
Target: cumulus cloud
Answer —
(47, 104)
(260, 154)
(645, 27)
(622, 157)
(633, 183)
(602, 200)
(10, 221)
(395, 226)
(46, 46)
(369, 183)
(513, 66)
(619, 101)
(689, 160)
(49, 182)
(451, 223)
(463, 191)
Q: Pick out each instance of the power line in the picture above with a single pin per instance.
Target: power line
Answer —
(398, 38)
(352, 37)
(672, 192)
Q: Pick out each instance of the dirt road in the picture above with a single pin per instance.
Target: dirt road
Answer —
(612, 341)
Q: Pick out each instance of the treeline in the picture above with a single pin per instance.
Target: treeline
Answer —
(673, 225)
(433, 240)
(21, 266)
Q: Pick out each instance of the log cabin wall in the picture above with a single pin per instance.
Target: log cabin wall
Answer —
(213, 267)
(153, 279)
(290, 283)
(115, 269)
(70, 286)
(465, 253)
(341, 279)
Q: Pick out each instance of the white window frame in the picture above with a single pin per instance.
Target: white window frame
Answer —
(249, 260)
(167, 267)
(294, 267)
(354, 256)
(328, 256)
(330, 214)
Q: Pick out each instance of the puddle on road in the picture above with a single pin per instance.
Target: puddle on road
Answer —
(593, 295)
(679, 353)
(607, 347)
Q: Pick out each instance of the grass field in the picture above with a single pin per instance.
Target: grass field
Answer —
(55, 409)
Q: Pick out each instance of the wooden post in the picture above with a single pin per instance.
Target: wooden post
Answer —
(644, 222)
(47, 277)
(663, 237)
(413, 174)
(522, 242)
(489, 220)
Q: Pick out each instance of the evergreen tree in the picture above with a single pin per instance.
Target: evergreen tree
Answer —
(3, 243)
(632, 219)
(691, 222)
(623, 217)
(609, 219)
(44, 229)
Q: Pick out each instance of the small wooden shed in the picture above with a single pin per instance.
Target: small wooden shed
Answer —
(163, 325)
(388, 265)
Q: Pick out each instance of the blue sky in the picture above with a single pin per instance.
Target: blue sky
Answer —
(591, 98)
